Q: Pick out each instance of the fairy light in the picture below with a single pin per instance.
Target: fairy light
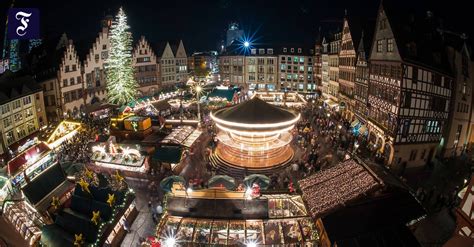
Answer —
(255, 126)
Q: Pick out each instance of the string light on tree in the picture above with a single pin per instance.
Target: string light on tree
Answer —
(121, 86)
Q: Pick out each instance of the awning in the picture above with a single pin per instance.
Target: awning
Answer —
(331, 103)
(355, 123)
(363, 129)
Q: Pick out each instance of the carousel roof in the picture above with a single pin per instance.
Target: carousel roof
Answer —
(255, 111)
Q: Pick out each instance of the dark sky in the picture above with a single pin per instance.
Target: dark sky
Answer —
(201, 23)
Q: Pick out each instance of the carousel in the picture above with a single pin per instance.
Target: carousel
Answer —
(254, 135)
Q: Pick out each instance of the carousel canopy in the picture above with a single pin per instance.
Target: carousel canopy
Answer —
(255, 111)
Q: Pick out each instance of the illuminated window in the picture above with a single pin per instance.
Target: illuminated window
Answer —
(285, 50)
(389, 45)
(379, 45)
(299, 50)
(292, 50)
(270, 51)
(254, 51)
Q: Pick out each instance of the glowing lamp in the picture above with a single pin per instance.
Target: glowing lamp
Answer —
(170, 242)
(246, 44)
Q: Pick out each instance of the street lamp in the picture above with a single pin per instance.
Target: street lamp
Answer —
(246, 44)
(198, 90)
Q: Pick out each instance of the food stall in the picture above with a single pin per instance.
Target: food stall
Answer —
(123, 157)
(269, 220)
(54, 136)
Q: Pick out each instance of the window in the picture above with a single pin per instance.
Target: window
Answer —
(74, 68)
(299, 50)
(28, 112)
(253, 51)
(285, 50)
(301, 68)
(406, 127)
(413, 154)
(383, 24)
(10, 137)
(104, 55)
(5, 108)
(71, 81)
(104, 47)
(26, 100)
(66, 98)
(261, 51)
(16, 104)
(292, 50)
(96, 57)
(301, 59)
(295, 59)
(67, 68)
(432, 126)
(389, 45)
(7, 122)
(17, 117)
(270, 51)
(379, 45)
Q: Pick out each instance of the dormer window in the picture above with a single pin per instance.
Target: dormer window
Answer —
(270, 51)
(261, 51)
(285, 50)
(299, 50)
(253, 51)
(292, 50)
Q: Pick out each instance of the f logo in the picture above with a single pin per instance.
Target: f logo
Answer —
(23, 18)
(23, 23)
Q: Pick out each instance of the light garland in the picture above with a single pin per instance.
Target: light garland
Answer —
(255, 126)
(336, 186)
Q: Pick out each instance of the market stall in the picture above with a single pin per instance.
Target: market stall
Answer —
(275, 219)
(56, 135)
(124, 157)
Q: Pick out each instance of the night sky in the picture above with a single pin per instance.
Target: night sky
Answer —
(201, 24)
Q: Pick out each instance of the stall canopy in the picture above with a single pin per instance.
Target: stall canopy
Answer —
(223, 93)
(29, 156)
(355, 123)
(331, 103)
(44, 184)
(168, 154)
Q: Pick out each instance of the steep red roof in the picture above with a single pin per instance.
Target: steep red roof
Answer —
(16, 163)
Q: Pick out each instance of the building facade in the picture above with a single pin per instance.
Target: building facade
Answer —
(456, 133)
(261, 69)
(232, 69)
(347, 70)
(361, 84)
(325, 69)
(409, 99)
(147, 72)
(167, 64)
(95, 89)
(296, 69)
(70, 87)
(22, 110)
(181, 60)
(333, 56)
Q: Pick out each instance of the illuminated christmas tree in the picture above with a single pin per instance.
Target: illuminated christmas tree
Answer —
(121, 86)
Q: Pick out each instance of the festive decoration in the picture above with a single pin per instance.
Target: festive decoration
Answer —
(118, 177)
(55, 202)
(334, 187)
(84, 185)
(121, 85)
(291, 188)
(95, 217)
(111, 200)
(78, 239)
(255, 190)
(89, 174)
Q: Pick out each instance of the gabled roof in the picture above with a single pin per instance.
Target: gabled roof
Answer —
(416, 37)
(174, 45)
(159, 47)
(44, 60)
(366, 38)
(16, 85)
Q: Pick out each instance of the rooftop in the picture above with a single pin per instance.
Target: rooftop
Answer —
(255, 111)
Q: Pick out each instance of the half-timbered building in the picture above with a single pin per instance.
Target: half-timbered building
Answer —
(409, 88)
